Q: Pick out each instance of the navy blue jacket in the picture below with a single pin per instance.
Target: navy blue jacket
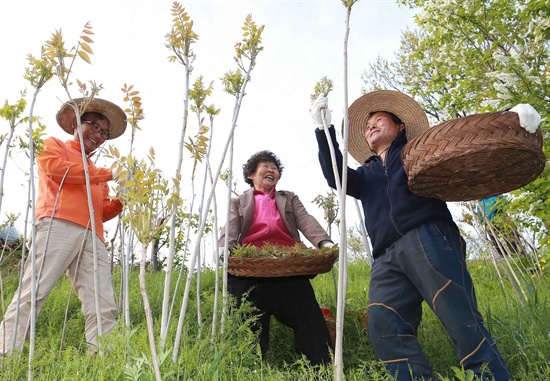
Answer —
(390, 209)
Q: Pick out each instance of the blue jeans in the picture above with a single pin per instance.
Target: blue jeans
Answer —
(427, 264)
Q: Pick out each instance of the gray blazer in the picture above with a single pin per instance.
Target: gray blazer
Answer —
(291, 209)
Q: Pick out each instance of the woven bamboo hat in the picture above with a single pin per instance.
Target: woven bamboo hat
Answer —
(113, 113)
(406, 108)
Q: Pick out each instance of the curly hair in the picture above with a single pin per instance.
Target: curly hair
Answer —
(260, 157)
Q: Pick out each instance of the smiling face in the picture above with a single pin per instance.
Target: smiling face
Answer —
(381, 130)
(265, 177)
(91, 135)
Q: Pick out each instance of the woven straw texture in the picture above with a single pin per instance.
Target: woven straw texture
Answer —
(270, 267)
(474, 157)
(406, 108)
(113, 113)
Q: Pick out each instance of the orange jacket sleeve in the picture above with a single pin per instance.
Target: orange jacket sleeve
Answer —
(54, 161)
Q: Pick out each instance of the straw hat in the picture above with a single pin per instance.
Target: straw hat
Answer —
(113, 113)
(406, 108)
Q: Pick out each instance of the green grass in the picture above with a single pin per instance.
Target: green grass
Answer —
(521, 333)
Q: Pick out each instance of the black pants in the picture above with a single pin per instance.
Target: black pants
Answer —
(292, 301)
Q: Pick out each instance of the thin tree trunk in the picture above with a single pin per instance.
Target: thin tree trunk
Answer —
(216, 258)
(92, 223)
(154, 255)
(343, 258)
(4, 165)
(203, 210)
(199, 315)
(126, 252)
(497, 259)
(70, 294)
(363, 230)
(33, 255)
(128, 267)
(165, 319)
(112, 241)
(226, 240)
(203, 223)
(182, 268)
(148, 313)
(122, 259)
(250, 52)
(21, 270)
(216, 262)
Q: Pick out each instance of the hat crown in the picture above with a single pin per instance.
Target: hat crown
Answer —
(395, 102)
(114, 114)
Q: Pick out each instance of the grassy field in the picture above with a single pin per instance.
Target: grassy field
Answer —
(520, 331)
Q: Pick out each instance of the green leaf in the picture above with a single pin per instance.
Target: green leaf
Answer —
(82, 54)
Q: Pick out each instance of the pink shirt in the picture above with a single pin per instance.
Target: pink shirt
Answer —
(267, 224)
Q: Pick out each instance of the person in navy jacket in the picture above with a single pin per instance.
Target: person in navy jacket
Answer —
(419, 254)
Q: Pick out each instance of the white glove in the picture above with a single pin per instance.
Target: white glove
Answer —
(320, 111)
(529, 118)
(221, 252)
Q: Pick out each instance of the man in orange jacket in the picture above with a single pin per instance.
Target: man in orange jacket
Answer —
(64, 239)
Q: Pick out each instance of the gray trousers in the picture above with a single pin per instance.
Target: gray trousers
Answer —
(427, 264)
(69, 250)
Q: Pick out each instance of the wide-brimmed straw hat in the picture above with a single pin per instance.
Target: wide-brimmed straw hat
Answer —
(406, 108)
(113, 113)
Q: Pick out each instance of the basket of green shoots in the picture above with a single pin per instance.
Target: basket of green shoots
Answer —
(271, 261)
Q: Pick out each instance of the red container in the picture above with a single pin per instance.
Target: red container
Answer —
(361, 316)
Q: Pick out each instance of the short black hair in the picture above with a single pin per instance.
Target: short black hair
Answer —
(394, 117)
(260, 157)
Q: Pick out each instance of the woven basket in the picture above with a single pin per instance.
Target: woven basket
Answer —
(474, 157)
(269, 267)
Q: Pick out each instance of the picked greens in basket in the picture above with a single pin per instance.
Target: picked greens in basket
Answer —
(274, 251)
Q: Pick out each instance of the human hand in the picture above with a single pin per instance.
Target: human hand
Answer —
(122, 189)
(320, 111)
(529, 118)
(121, 176)
(221, 254)
(326, 243)
(122, 179)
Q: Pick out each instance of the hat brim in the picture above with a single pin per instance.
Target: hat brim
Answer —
(400, 104)
(114, 114)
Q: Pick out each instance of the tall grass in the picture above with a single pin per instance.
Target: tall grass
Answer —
(521, 334)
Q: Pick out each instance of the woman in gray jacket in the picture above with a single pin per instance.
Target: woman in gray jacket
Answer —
(263, 215)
